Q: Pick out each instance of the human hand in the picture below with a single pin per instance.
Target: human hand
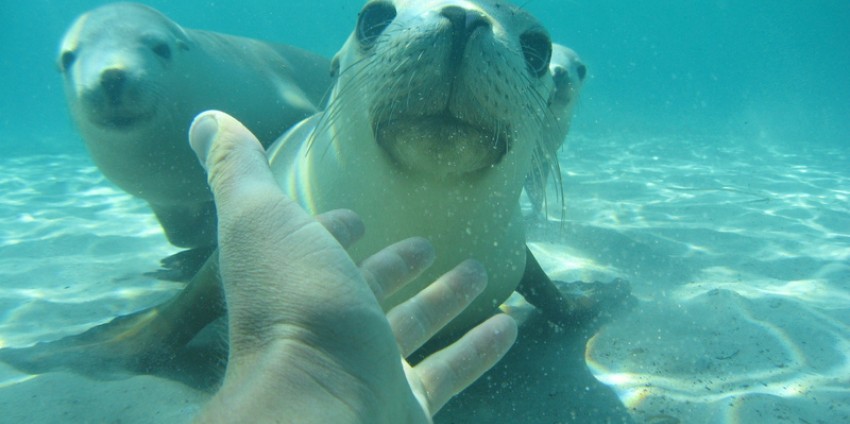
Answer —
(308, 338)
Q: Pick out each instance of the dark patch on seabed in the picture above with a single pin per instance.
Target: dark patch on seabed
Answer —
(542, 380)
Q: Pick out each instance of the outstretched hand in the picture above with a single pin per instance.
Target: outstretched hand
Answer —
(308, 339)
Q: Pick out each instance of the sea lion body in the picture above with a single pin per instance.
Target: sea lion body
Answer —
(430, 131)
(134, 80)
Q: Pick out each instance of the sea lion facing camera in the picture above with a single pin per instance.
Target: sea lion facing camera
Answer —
(430, 130)
(134, 80)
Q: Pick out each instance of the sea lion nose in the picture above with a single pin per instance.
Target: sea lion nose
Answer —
(112, 80)
(560, 74)
(464, 22)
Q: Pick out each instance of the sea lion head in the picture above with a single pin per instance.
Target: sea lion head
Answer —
(449, 88)
(568, 73)
(115, 61)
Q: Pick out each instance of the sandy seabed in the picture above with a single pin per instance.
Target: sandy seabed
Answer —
(737, 251)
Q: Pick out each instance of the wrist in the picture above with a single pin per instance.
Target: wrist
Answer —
(291, 382)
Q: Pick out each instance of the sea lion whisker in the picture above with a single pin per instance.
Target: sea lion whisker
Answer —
(409, 83)
(335, 105)
(544, 159)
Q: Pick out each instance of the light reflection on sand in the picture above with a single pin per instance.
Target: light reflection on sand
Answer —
(740, 255)
(73, 249)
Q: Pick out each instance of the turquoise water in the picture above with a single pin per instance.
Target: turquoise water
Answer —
(744, 68)
(708, 163)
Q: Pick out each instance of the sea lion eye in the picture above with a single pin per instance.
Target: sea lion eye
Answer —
(67, 59)
(163, 50)
(372, 21)
(537, 49)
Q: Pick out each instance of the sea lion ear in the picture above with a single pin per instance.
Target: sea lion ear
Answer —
(335, 66)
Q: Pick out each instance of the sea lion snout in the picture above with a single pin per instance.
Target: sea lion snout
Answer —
(119, 95)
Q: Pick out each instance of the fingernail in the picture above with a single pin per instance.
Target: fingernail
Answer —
(201, 135)
(476, 276)
(424, 251)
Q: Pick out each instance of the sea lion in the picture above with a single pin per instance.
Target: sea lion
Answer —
(134, 80)
(430, 130)
(438, 110)
(568, 72)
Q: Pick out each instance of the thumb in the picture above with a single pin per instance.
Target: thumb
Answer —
(234, 159)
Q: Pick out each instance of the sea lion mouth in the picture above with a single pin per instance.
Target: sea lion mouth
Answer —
(442, 143)
(117, 119)
(118, 115)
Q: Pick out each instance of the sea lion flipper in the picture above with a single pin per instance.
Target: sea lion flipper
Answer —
(183, 265)
(574, 304)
